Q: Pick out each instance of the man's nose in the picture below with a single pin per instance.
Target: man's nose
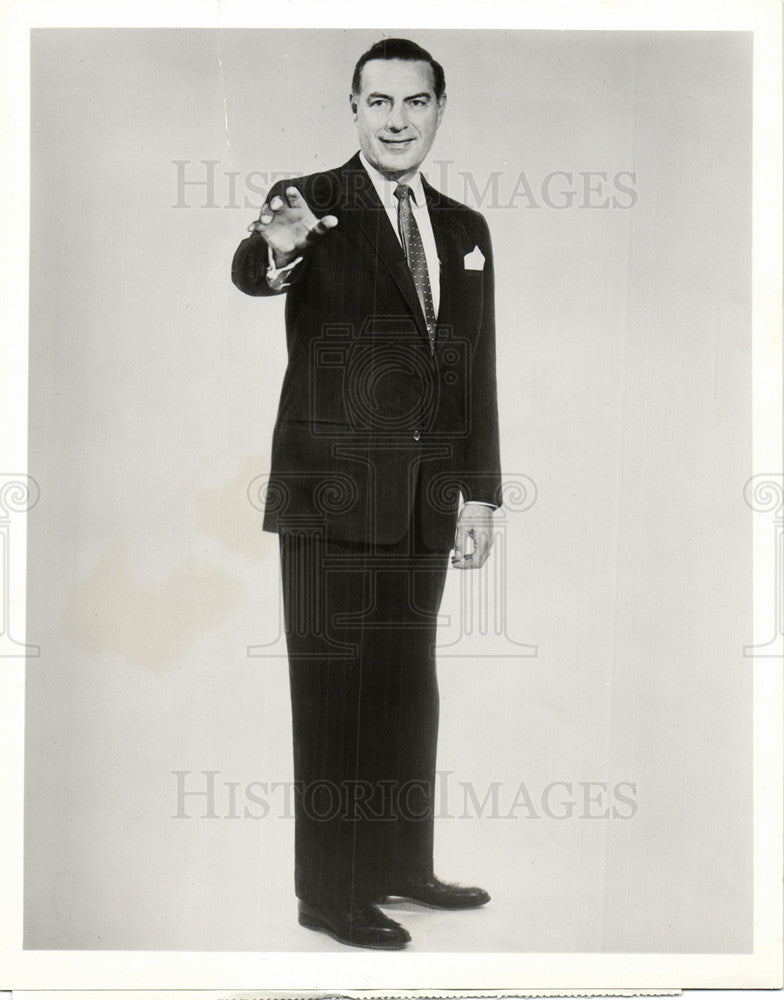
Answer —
(397, 120)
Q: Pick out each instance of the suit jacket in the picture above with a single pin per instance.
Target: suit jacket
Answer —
(372, 419)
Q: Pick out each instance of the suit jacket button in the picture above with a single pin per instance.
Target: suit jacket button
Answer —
(417, 435)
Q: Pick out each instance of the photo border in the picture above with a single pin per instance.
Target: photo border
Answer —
(382, 973)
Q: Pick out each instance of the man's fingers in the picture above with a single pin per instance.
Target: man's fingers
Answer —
(271, 209)
(292, 214)
(295, 199)
(477, 557)
(461, 540)
(481, 549)
(320, 226)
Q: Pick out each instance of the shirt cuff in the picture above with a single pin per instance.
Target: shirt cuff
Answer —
(279, 278)
(481, 503)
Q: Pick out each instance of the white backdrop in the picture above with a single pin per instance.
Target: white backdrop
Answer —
(625, 384)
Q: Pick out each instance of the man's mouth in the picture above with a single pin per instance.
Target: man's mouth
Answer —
(397, 142)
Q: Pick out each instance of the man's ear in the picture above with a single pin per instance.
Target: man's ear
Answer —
(353, 105)
(441, 108)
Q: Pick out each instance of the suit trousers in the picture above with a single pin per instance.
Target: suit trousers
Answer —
(360, 624)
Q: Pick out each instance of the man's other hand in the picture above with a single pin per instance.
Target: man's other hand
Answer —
(474, 536)
(289, 226)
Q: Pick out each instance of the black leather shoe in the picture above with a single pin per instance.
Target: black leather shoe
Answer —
(362, 925)
(431, 891)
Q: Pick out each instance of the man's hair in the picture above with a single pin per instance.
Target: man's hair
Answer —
(399, 48)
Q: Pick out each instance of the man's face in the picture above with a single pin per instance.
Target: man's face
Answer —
(397, 114)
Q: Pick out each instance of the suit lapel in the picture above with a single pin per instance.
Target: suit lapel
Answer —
(364, 206)
(450, 237)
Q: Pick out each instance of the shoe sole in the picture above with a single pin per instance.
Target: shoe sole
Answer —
(314, 924)
(431, 906)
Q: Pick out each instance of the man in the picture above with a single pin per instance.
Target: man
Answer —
(387, 417)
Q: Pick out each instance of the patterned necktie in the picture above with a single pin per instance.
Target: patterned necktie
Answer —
(415, 255)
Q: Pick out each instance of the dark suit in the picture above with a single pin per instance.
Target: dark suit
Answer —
(378, 433)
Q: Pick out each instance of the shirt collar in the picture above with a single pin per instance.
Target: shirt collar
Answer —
(385, 188)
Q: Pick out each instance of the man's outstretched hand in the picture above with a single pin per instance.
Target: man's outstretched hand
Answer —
(289, 226)
(475, 523)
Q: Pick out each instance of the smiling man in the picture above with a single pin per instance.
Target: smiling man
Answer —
(385, 457)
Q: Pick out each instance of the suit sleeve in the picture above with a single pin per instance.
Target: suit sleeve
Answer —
(249, 266)
(481, 447)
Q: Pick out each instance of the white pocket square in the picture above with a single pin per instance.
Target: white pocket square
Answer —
(474, 261)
